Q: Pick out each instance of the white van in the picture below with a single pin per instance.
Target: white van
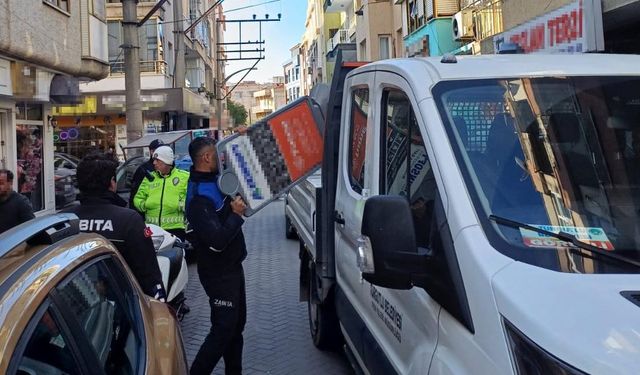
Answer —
(481, 216)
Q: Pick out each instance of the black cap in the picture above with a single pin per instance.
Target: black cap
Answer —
(155, 144)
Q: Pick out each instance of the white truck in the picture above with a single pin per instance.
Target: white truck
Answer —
(477, 215)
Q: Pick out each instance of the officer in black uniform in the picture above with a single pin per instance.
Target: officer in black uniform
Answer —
(102, 211)
(144, 170)
(216, 224)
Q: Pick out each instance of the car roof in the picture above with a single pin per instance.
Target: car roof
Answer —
(41, 249)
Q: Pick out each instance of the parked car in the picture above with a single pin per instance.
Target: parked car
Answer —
(70, 305)
(66, 184)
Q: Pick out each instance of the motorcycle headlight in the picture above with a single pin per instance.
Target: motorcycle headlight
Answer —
(157, 241)
(530, 359)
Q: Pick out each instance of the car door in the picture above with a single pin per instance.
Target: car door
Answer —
(406, 321)
(47, 347)
(352, 189)
(104, 314)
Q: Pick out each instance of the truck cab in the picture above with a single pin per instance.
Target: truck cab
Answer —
(484, 218)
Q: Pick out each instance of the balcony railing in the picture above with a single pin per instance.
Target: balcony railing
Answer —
(341, 36)
(153, 66)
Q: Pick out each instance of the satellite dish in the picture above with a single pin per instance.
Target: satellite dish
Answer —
(229, 183)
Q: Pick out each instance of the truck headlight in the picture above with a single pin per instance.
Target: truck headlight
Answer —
(157, 241)
(530, 359)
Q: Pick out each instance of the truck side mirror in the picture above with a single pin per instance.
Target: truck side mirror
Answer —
(388, 255)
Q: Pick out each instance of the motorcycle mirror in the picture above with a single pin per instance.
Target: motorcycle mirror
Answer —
(229, 183)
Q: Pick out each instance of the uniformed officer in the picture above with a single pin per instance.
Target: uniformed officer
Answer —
(216, 221)
(102, 211)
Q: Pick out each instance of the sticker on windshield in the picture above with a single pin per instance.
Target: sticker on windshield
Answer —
(590, 235)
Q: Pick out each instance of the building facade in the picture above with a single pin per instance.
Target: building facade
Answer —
(243, 94)
(172, 98)
(46, 48)
(292, 73)
(269, 99)
(428, 27)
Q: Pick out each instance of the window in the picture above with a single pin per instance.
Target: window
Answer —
(358, 137)
(62, 4)
(98, 9)
(102, 304)
(29, 141)
(407, 170)
(385, 49)
(48, 350)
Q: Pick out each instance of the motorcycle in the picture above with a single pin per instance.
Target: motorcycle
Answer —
(170, 252)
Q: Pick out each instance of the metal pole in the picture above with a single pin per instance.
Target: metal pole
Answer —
(219, 83)
(180, 71)
(132, 71)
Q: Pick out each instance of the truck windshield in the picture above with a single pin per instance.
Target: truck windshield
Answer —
(560, 154)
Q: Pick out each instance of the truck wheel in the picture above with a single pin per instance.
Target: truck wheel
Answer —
(290, 231)
(323, 323)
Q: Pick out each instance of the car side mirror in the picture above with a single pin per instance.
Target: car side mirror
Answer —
(388, 255)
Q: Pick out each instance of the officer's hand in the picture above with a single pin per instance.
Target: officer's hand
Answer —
(238, 206)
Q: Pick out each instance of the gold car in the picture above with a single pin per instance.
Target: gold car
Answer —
(70, 305)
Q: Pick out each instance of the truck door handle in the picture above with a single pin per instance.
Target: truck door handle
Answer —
(338, 218)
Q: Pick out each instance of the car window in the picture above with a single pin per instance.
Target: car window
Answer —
(407, 170)
(106, 311)
(358, 137)
(48, 350)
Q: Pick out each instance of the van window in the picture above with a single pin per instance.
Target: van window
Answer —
(406, 168)
(104, 309)
(358, 137)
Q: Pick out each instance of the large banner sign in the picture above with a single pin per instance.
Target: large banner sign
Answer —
(576, 27)
(275, 152)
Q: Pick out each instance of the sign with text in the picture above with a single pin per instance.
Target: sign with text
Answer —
(576, 27)
(275, 152)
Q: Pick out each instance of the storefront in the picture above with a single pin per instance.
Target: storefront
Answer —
(26, 134)
(99, 121)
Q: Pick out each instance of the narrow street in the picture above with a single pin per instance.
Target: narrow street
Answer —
(276, 337)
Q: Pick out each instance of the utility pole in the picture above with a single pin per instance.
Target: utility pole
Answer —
(132, 70)
(178, 79)
(219, 83)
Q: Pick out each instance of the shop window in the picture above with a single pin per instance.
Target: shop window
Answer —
(30, 164)
(29, 118)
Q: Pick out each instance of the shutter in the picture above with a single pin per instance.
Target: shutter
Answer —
(445, 8)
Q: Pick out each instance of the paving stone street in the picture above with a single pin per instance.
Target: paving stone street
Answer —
(276, 337)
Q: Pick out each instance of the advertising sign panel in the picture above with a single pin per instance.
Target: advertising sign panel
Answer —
(275, 152)
(576, 27)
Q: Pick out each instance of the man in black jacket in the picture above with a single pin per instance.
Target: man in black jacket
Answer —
(144, 170)
(215, 221)
(102, 211)
(15, 208)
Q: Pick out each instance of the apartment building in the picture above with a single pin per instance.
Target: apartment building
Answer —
(428, 26)
(46, 48)
(269, 99)
(173, 98)
(292, 73)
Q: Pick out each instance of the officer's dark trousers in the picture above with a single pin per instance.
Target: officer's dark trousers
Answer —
(228, 303)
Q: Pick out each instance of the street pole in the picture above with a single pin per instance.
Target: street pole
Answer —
(219, 83)
(179, 58)
(132, 71)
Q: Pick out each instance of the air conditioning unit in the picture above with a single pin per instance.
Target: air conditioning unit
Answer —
(463, 25)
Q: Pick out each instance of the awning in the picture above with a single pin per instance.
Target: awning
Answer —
(166, 138)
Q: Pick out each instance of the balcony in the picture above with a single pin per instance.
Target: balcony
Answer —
(153, 66)
(341, 36)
